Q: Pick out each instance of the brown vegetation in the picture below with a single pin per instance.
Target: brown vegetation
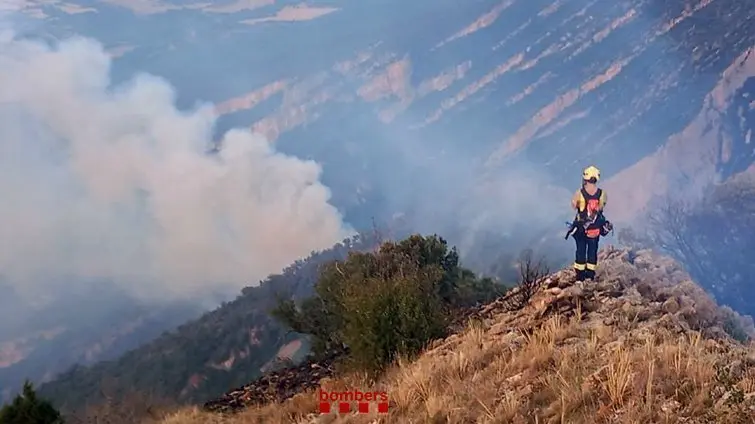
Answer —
(642, 344)
(130, 408)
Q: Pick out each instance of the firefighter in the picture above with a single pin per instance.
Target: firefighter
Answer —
(589, 222)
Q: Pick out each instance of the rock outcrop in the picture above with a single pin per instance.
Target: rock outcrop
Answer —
(645, 288)
(276, 386)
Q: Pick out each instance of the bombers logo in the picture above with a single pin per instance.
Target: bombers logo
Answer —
(343, 400)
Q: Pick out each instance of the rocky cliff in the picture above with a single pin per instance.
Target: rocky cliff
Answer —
(714, 146)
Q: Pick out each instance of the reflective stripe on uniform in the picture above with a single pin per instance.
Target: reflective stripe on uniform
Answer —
(579, 267)
(591, 267)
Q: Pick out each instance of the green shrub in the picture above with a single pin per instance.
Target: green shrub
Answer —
(387, 303)
(27, 408)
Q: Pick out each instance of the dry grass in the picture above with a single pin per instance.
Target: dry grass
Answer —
(566, 371)
(627, 358)
(129, 408)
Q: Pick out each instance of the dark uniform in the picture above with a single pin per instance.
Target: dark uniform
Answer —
(590, 223)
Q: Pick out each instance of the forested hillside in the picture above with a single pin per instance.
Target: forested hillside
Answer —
(202, 358)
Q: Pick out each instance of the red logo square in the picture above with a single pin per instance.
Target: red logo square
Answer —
(364, 407)
(344, 407)
(324, 408)
(383, 407)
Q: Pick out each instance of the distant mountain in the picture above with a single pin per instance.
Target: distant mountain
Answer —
(382, 91)
(47, 340)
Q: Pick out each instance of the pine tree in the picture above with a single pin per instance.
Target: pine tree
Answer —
(27, 408)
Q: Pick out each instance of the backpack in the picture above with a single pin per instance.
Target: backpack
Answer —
(593, 206)
(592, 217)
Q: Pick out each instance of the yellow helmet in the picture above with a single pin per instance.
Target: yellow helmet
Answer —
(591, 172)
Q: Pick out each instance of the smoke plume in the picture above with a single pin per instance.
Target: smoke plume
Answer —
(116, 185)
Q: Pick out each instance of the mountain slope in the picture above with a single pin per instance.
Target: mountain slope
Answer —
(603, 78)
(715, 145)
(224, 348)
(45, 340)
(642, 344)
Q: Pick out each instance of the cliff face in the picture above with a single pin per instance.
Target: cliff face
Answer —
(714, 146)
(553, 85)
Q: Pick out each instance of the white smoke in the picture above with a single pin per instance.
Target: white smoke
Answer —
(113, 183)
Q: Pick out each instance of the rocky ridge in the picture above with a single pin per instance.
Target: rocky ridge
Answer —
(639, 299)
(652, 290)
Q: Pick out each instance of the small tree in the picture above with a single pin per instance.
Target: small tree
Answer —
(672, 230)
(531, 272)
(27, 408)
(711, 238)
(386, 303)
